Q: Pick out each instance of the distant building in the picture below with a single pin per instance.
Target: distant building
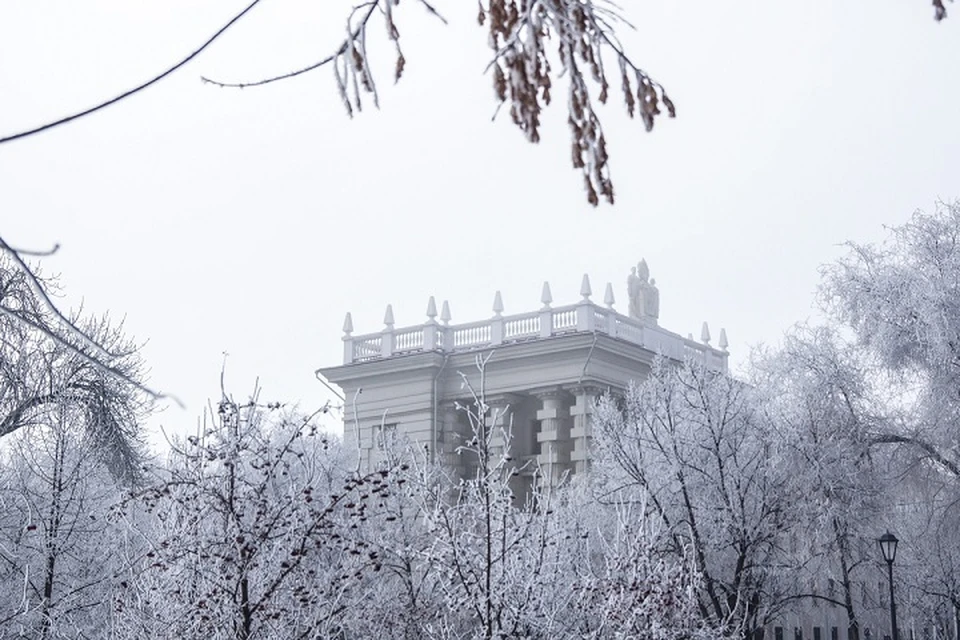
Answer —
(548, 366)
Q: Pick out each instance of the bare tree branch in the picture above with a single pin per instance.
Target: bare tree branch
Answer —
(66, 330)
(930, 450)
(134, 90)
(35, 253)
(354, 34)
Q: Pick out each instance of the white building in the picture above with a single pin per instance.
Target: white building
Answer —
(547, 365)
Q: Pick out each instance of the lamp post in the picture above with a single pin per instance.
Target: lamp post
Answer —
(888, 547)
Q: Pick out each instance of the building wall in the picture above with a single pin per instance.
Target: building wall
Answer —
(546, 387)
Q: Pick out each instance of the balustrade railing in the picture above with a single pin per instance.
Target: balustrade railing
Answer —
(366, 347)
(564, 320)
(476, 334)
(584, 317)
(600, 320)
(525, 326)
(411, 340)
(629, 331)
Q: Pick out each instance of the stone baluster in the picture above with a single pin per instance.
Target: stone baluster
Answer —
(554, 435)
(347, 339)
(546, 313)
(586, 319)
(431, 327)
(387, 338)
(582, 431)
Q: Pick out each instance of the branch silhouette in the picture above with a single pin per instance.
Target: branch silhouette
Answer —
(135, 90)
(354, 33)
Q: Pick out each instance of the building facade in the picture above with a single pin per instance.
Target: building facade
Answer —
(543, 370)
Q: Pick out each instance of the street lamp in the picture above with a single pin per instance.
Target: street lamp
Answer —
(888, 547)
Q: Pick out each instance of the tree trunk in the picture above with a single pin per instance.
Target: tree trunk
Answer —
(52, 533)
(853, 626)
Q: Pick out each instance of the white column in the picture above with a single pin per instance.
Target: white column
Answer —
(554, 435)
(451, 434)
(582, 431)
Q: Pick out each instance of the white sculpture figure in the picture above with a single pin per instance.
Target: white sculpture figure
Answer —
(652, 300)
(643, 271)
(633, 294)
(643, 294)
(638, 291)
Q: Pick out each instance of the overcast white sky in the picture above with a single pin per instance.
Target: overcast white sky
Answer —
(250, 221)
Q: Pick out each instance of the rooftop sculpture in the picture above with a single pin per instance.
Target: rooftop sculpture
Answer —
(643, 294)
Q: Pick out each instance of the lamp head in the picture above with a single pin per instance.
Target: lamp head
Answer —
(888, 547)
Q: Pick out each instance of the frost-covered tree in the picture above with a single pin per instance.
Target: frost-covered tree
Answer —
(901, 298)
(620, 584)
(48, 360)
(867, 406)
(56, 541)
(249, 531)
(818, 399)
(692, 444)
(488, 544)
(475, 559)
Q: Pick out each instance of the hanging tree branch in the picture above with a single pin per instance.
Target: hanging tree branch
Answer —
(522, 76)
(939, 11)
(354, 33)
(519, 31)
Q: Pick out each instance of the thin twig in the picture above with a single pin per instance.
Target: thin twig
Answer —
(355, 32)
(138, 88)
(34, 253)
(38, 290)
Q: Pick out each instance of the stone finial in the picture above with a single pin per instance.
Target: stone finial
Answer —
(723, 340)
(348, 324)
(585, 290)
(445, 312)
(705, 334)
(388, 316)
(432, 309)
(608, 298)
(497, 303)
(690, 337)
(545, 296)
